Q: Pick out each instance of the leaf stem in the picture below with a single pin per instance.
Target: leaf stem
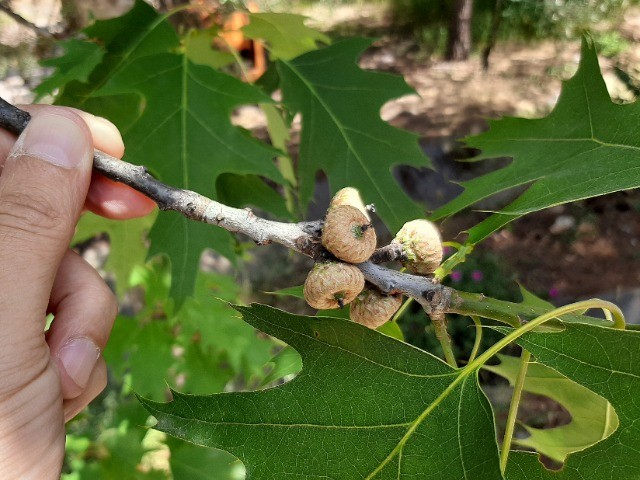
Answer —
(473, 366)
(478, 339)
(237, 58)
(514, 314)
(439, 321)
(618, 322)
(513, 409)
(402, 309)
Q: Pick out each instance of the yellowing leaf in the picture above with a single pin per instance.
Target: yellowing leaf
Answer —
(592, 417)
(285, 33)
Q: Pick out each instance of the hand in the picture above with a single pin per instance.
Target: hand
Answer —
(45, 181)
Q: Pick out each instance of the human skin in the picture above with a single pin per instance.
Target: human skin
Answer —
(46, 182)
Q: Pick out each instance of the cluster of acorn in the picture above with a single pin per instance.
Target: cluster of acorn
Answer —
(347, 233)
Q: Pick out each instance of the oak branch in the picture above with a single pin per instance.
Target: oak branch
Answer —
(303, 237)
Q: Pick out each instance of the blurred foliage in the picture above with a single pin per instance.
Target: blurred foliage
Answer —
(202, 348)
(429, 20)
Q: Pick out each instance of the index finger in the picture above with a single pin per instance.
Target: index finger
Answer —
(105, 197)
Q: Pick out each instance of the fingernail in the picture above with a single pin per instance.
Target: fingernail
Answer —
(78, 357)
(55, 139)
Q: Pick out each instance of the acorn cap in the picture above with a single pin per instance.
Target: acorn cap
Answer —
(332, 285)
(349, 196)
(373, 308)
(348, 234)
(421, 243)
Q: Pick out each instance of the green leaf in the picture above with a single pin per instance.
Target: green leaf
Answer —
(607, 362)
(592, 417)
(127, 243)
(199, 50)
(191, 462)
(342, 132)
(249, 190)
(392, 329)
(363, 406)
(183, 241)
(203, 369)
(175, 119)
(138, 33)
(142, 351)
(77, 62)
(587, 146)
(209, 317)
(106, 442)
(186, 137)
(286, 362)
(296, 292)
(285, 34)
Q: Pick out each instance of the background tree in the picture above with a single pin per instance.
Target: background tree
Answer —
(459, 41)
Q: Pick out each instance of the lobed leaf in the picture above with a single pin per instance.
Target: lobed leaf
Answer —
(77, 63)
(342, 132)
(607, 362)
(175, 119)
(286, 34)
(587, 146)
(592, 417)
(363, 406)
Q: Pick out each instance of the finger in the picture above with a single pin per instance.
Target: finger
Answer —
(97, 382)
(42, 189)
(115, 200)
(84, 310)
(105, 134)
(105, 197)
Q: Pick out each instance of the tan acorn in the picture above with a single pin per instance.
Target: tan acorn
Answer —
(349, 196)
(348, 234)
(372, 308)
(332, 285)
(421, 243)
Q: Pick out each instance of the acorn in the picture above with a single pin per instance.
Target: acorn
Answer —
(372, 308)
(332, 285)
(349, 196)
(348, 234)
(421, 244)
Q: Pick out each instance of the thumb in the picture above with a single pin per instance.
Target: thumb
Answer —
(43, 186)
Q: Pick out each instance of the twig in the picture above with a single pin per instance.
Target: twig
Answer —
(389, 253)
(303, 237)
(496, 18)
